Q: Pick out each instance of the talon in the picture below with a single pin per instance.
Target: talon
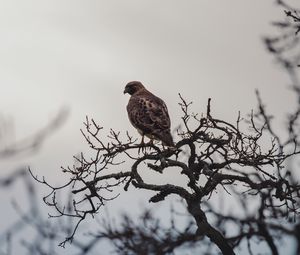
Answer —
(151, 142)
(142, 145)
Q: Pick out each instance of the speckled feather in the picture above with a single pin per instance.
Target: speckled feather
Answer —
(149, 115)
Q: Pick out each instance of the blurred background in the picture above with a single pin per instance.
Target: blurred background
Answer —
(73, 58)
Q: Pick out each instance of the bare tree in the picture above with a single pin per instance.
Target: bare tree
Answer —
(211, 154)
(33, 216)
(11, 148)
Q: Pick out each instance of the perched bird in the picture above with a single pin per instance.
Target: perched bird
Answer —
(148, 114)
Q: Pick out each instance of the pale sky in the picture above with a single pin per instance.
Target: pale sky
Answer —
(80, 55)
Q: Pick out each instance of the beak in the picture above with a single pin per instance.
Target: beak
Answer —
(125, 91)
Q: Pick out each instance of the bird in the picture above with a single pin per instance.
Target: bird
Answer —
(148, 114)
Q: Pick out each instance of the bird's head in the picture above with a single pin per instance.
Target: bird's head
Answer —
(133, 87)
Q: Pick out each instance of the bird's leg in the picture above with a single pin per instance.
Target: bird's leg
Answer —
(142, 145)
(149, 144)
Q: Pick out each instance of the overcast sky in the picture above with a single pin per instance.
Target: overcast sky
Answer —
(80, 54)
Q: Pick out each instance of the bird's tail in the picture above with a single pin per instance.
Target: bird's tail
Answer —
(166, 138)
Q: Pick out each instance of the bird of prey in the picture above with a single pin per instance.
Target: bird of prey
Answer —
(148, 114)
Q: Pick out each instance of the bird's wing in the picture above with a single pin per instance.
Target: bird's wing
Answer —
(148, 113)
